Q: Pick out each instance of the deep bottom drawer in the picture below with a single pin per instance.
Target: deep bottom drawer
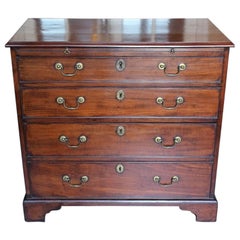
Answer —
(120, 180)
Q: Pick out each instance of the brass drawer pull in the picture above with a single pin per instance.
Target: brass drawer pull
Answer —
(59, 66)
(160, 140)
(120, 95)
(65, 139)
(181, 67)
(157, 179)
(62, 101)
(120, 65)
(179, 100)
(120, 130)
(67, 179)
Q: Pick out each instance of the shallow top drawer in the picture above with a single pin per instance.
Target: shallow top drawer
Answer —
(186, 70)
(122, 51)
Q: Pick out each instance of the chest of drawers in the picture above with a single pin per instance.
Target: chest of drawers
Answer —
(119, 112)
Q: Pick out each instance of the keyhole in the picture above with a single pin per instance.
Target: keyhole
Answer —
(120, 65)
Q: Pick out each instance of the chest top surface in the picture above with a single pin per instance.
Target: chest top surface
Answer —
(118, 32)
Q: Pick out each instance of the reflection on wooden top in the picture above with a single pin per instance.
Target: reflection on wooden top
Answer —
(118, 32)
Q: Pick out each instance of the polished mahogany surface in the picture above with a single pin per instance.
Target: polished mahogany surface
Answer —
(117, 32)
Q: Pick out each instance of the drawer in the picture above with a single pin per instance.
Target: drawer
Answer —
(124, 69)
(120, 180)
(115, 102)
(127, 139)
(111, 51)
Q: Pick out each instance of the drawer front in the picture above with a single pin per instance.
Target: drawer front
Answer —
(112, 51)
(173, 69)
(104, 180)
(129, 140)
(99, 102)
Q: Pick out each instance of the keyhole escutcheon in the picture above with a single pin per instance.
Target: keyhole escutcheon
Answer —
(120, 130)
(119, 168)
(120, 95)
(120, 65)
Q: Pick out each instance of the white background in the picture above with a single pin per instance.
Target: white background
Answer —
(119, 222)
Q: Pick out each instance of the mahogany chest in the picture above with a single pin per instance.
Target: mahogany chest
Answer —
(119, 112)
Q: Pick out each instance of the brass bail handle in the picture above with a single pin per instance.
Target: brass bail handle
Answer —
(180, 67)
(67, 179)
(157, 179)
(178, 101)
(62, 101)
(64, 139)
(160, 140)
(60, 67)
